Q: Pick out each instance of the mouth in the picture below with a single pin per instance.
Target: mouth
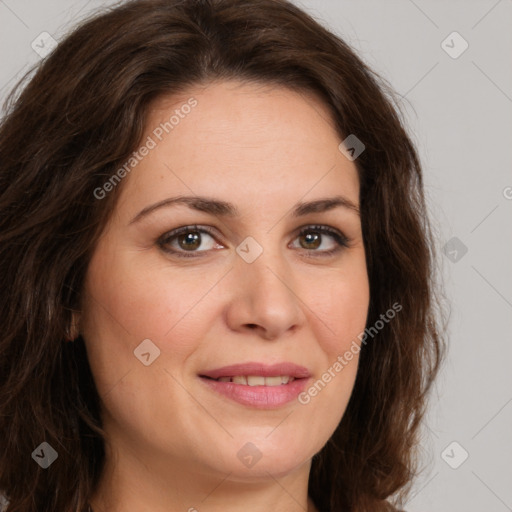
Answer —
(255, 380)
(254, 372)
(258, 385)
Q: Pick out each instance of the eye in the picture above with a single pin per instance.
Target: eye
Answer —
(185, 241)
(187, 238)
(313, 237)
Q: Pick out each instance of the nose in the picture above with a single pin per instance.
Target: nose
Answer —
(264, 297)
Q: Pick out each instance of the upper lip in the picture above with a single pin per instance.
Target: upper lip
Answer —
(258, 369)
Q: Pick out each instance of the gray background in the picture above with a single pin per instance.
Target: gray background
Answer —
(459, 114)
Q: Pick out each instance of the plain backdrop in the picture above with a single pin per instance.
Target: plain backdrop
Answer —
(450, 62)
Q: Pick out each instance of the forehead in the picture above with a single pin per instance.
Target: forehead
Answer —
(257, 141)
(246, 112)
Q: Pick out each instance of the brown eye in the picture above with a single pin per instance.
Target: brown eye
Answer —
(191, 240)
(312, 237)
(187, 239)
(312, 240)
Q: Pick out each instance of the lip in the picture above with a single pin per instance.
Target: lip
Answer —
(254, 368)
(259, 397)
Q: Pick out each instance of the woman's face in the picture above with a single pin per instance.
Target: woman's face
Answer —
(252, 289)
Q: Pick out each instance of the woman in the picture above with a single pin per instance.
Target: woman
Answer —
(217, 270)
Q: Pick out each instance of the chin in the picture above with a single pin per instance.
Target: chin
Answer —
(262, 469)
(251, 463)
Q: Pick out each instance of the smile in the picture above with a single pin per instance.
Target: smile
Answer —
(252, 380)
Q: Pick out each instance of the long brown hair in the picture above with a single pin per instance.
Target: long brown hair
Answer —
(79, 117)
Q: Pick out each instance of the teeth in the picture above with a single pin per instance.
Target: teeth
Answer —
(269, 381)
(258, 380)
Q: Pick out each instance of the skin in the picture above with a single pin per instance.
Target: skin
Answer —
(172, 442)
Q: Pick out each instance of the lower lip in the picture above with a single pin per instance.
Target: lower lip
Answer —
(260, 397)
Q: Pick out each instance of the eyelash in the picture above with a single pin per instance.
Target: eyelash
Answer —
(341, 240)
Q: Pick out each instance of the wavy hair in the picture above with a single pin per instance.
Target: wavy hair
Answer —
(77, 116)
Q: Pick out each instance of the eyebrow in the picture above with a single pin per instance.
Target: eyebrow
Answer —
(225, 209)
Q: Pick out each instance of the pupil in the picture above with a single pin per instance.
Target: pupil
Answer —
(313, 237)
(191, 237)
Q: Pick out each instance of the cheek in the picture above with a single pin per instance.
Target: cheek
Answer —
(340, 314)
(343, 309)
(129, 295)
(128, 302)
